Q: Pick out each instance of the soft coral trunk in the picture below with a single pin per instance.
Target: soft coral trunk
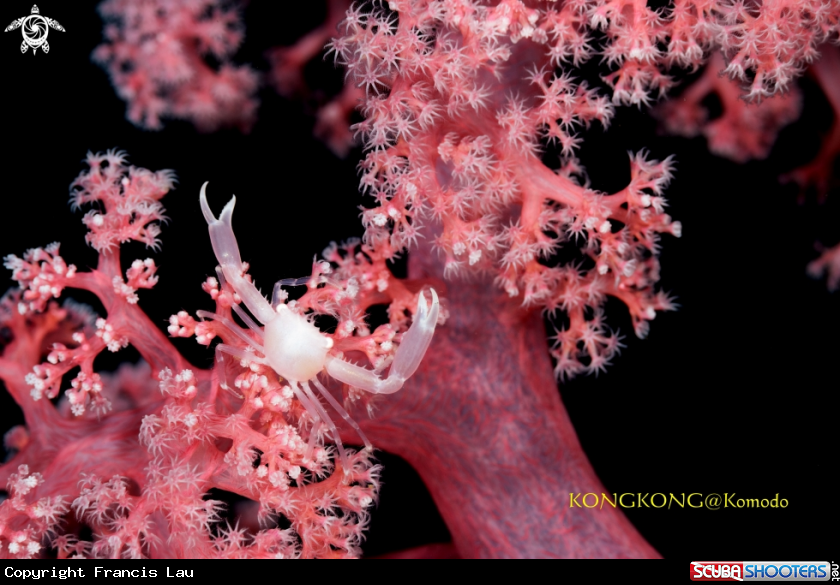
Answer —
(482, 423)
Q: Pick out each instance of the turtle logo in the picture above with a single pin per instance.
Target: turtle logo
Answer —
(35, 28)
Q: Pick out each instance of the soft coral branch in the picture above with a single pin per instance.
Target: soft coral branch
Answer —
(819, 173)
(156, 53)
(744, 130)
(138, 469)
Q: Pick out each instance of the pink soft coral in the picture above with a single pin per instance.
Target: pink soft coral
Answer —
(156, 54)
(744, 131)
(482, 421)
(460, 99)
(135, 454)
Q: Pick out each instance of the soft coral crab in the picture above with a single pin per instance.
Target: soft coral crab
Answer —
(295, 348)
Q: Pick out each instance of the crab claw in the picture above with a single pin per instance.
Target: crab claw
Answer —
(416, 340)
(409, 354)
(227, 253)
(221, 232)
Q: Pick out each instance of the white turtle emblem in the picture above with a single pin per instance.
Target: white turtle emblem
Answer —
(35, 29)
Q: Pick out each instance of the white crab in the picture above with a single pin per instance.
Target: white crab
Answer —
(294, 348)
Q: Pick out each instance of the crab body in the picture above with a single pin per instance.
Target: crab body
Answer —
(294, 347)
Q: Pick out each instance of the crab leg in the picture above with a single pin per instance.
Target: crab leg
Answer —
(227, 253)
(240, 353)
(234, 328)
(409, 354)
(325, 418)
(313, 439)
(252, 325)
(279, 294)
(313, 412)
(344, 414)
(236, 352)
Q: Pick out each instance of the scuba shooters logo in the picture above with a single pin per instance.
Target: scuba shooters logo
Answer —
(762, 571)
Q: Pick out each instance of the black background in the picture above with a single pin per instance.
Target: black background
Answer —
(735, 392)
